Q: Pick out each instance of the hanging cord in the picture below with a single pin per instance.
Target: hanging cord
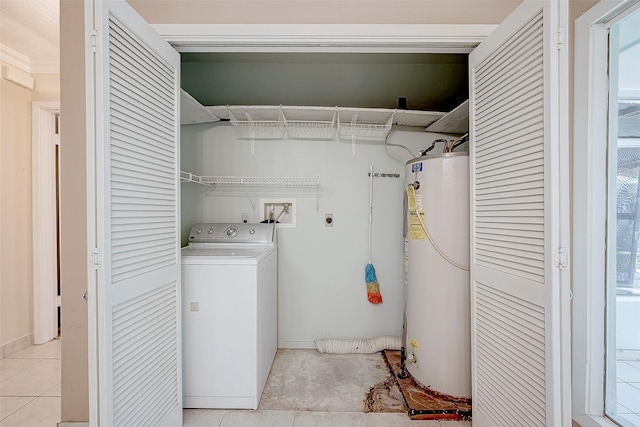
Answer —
(448, 146)
(386, 142)
(370, 207)
(435, 245)
(464, 138)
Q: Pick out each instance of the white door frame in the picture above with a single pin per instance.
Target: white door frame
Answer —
(288, 38)
(44, 208)
(590, 211)
(307, 38)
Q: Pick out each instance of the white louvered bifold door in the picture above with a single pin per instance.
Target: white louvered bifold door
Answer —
(137, 163)
(515, 199)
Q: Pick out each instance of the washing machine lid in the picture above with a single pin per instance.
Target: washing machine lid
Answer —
(232, 233)
(230, 254)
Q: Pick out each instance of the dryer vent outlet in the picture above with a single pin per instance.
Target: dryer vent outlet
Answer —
(280, 211)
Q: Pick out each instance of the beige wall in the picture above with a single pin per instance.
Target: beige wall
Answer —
(46, 88)
(325, 12)
(16, 276)
(73, 239)
(16, 248)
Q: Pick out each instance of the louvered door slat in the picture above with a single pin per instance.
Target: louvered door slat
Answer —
(526, 162)
(145, 98)
(126, 165)
(140, 340)
(510, 149)
(136, 368)
(127, 103)
(515, 57)
(530, 157)
(140, 228)
(512, 94)
(138, 125)
(514, 373)
(129, 130)
(502, 127)
(513, 227)
(531, 173)
(523, 379)
(501, 236)
(142, 60)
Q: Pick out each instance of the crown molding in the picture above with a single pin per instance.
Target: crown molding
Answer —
(24, 63)
(15, 58)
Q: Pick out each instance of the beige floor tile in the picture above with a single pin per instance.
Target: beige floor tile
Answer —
(202, 417)
(55, 355)
(38, 351)
(11, 367)
(33, 381)
(53, 391)
(40, 412)
(330, 419)
(455, 423)
(8, 405)
(397, 420)
(258, 419)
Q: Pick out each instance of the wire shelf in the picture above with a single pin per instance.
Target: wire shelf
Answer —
(250, 181)
(365, 131)
(311, 129)
(189, 177)
(254, 181)
(258, 129)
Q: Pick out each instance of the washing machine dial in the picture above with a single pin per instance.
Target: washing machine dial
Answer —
(252, 231)
(199, 230)
(210, 231)
(231, 231)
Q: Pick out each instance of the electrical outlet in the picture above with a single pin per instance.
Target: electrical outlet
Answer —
(245, 217)
(328, 220)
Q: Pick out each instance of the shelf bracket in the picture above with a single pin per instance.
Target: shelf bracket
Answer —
(249, 197)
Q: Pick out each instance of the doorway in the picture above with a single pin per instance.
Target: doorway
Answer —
(604, 205)
(46, 220)
(622, 376)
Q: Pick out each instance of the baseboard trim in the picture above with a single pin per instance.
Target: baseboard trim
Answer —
(16, 345)
(72, 424)
(296, 344)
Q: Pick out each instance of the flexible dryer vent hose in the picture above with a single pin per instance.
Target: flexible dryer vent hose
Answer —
(359, 345)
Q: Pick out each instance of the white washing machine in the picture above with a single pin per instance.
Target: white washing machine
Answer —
(229, 314)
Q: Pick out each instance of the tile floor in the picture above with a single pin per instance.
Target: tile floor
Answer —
(628, 392)
(30, 387)
(273, 418)
(30, 397)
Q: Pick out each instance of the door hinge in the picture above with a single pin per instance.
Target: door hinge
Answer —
(93, 37)
(562, 258)
(95, 259)
(560, 38)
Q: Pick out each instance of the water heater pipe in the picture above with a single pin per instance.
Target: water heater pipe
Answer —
(436, 247)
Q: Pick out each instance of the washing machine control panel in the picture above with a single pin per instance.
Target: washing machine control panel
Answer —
(231, 231)
(262, 233)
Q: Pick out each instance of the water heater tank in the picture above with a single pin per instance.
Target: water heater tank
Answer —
(438, 330)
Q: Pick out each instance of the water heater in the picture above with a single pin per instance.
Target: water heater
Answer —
(438, 329)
